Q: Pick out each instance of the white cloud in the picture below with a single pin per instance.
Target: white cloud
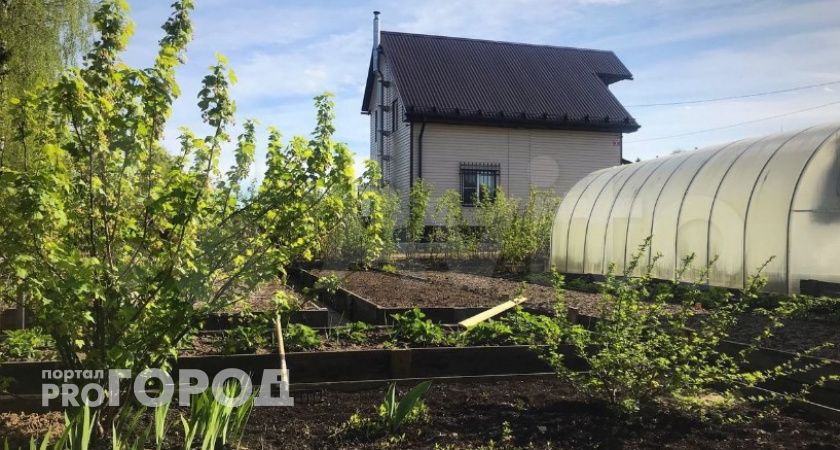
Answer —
(286, 52)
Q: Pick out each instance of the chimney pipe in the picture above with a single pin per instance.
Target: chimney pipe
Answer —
(375, 30)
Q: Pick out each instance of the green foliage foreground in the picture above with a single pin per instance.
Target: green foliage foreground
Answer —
(652, 347)
(119, 245)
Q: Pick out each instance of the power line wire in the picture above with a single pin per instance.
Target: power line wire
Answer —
(691, 133)
(735, 97)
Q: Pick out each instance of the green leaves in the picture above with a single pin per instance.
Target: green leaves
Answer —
(652, 346)
(396, 414)
(414, 329)
(120, 245)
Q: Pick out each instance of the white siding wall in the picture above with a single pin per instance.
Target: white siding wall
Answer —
(554, 159)
(548, 159)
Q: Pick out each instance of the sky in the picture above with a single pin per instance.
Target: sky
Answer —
(285, 52)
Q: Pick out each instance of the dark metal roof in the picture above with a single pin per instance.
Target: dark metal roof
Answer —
(468, 80)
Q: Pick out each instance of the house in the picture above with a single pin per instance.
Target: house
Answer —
(468, 114)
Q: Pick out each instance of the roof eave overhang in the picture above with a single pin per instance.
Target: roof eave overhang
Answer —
(622, 126)
(368, 88)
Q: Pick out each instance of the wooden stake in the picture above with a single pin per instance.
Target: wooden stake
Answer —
(281, 348)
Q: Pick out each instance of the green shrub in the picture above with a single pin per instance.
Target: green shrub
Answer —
(299, 337)
(821, 307)
(651, 346)
(535, 329)
(449, 212)
(582, 285)
(516, 328)
(519, 232)
(367, 231)
(413, 329)
(244, 338)
(328, 284)
(28, 344)
(418, 204)
(490, 332)
(355, 332)
(119, 242)
(390, 268)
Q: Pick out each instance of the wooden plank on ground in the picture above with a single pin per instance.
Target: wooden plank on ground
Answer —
(492, 312)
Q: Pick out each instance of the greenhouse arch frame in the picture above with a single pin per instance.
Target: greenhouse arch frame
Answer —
(771, 202)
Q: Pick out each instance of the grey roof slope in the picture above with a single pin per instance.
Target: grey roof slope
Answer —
(468, 80)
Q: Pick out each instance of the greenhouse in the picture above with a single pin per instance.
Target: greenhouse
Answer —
(773, 200)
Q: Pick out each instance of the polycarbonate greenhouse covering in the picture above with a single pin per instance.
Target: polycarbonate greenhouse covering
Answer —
(734, 206)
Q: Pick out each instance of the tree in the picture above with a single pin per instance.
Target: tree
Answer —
(123, 246)
(37, 40)
(366, 232)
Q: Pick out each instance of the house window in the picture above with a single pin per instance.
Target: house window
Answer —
(394, 115)
(478, 182)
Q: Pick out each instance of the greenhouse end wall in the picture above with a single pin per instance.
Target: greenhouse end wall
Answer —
(771, 202)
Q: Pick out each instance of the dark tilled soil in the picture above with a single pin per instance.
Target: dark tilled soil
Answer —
(544, 413)
(437, 288)
(261, 298)
(210, 343)
(539, 297)
(388, 290)
(19, 427)
(433, 289)
(796, 335)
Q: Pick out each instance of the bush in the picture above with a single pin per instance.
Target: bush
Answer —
(650, 345)
(449, 212)
(328, 284)
(299, 337)
(27, 344)
(413, 329)
(245, 338)
(490, 332)
(119, 244)
(367, 232)
(355, 332)
(418, 203)
(517, 328)
(532, 329)
(520, 233)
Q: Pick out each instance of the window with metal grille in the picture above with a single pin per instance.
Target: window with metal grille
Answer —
(478, 182)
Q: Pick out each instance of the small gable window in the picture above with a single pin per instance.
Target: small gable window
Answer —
(478, 182)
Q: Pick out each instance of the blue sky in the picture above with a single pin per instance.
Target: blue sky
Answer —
(286, 52)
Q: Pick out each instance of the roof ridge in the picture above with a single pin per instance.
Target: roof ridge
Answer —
(493, 41)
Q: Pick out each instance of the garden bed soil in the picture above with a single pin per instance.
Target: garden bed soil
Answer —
(206, 344)
(797, 334)
(544, 414)
(539, 297)
(261, 299)
(447, 289)
(455, 289)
